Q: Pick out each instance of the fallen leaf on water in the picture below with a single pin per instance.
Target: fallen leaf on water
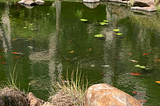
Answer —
(105, 65)
(92, 65)
(71, 51)
(90, 49)
(157, 82)
(24, 27)
(134, 73)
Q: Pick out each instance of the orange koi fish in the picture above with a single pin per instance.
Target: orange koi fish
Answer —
(1, 57)
(130, 53)
(3, 62)
(134, 73)
(17, 56)
(133, 60)
(1, 50)
(145, 54)
(106, 75)
(137, 93)
(17, 53)
(38, 85)
(142, 101)
(156, 59)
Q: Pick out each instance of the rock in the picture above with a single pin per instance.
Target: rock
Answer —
(39, 2)
(12, 97)
(26, 2)
(34, 101)
(106, 95)
(91, 5)
(142, 5)
(91, 1)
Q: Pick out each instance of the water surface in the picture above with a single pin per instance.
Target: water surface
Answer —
(50, 39)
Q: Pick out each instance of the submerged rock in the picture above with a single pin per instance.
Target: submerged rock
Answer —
(12, 97)
(106, 95)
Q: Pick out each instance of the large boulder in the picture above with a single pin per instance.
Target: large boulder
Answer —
(106, 95)
(143, 5)
(12, 97)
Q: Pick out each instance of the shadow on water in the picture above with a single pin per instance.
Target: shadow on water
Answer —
(50, 39)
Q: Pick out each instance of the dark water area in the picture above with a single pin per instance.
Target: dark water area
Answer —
(41, 44)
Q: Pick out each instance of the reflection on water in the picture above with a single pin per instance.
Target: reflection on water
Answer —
(48, 40)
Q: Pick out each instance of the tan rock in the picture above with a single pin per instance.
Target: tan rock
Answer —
(34, 101)
(106, 95)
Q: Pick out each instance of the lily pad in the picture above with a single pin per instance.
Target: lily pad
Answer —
(137, 65)
(99, 35)
(103, 23)
(105, 20)
(84, 20)
(143, 67)
(116, 30)
(118, 33)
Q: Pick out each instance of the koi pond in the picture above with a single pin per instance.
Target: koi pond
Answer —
(106, 42)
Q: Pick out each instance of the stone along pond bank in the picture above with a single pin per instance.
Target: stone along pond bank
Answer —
(96, 95)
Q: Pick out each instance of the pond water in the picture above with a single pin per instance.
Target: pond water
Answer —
(41, 44)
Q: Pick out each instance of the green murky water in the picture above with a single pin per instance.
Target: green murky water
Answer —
(41, 43)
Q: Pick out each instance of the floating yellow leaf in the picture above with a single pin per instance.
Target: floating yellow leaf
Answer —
(105, 20)
(118, 33)
(116, 30)
(24, 27)
(71, 51)
(103, 23)
(84, 20)
(99, 35)
(157, 82)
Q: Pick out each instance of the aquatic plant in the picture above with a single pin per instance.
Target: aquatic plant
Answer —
(79, 14)
(71, 92)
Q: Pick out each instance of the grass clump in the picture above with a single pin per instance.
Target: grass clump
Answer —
(10, 95)
(70, 92)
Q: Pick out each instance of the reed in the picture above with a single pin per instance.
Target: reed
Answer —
(70, 92)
